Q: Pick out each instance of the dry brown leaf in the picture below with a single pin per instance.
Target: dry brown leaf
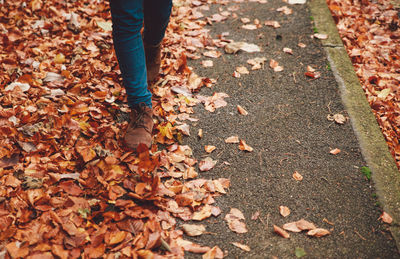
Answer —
(305, 225)
(203, 213)
(386, 218)
(200, 133)
(339, 118)
(212, 54)
(297, 176)
(318, 232)
(302, 45)
(292, 226)
(232, 140)
(320, 36)
(207, 164)
(274, 24)
(207, 63)
(281, 232)
(117, 237)
(209, 148)
(241, 246)
(288, 50)
(249, 26)
(284, 211)
(193, 230)
(241, 110)
(275, 65)
(236, 74)
(335, 151)
(285, 10)
(214, 252)
(233, 219)
(242, 70)
(245, 20)
(243, 146)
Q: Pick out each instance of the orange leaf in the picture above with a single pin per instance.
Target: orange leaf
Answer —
(386, 218)
(335, 151)
(297, 176)
(281, 232)
(117, 237)
(241, 110)
(243, 146)
(318, 232)
(284, 211)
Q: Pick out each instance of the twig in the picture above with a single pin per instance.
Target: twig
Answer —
(358, 234)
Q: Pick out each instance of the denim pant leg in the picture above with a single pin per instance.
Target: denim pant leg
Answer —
(127, 18)
(156, 18)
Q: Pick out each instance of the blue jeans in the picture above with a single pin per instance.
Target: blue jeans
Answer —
(128, 17)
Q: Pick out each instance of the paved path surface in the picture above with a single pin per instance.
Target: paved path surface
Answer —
(288, 128)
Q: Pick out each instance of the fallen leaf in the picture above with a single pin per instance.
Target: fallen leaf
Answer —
(275, 65)
(257, 63)
(235, 46)
(203, 213)
(292, 226)
(386, 218)
(245, 20)
(241, 110)
(236, 74)
(207, 164)
(274, 24)
(284, 211)
(232, 140)
(193, 230)
(320, 36)
(242, 70)
(299, 252)
(233, 219)
(241, 246)
(335, 151)
(302, 45)
(200, 133)
(297, 176)
(243, 146)
(339, 118)
(249, 26)
(207, 63)
(288, 50)
(212, 54)
(285, 10)
(318, 232)
(305, 225)
(214, 252)
(209, 148)
(281, 232)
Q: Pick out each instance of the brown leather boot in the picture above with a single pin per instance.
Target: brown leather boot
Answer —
(140, 127)
(153, 60)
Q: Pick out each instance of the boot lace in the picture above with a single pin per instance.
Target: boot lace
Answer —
(139, 121)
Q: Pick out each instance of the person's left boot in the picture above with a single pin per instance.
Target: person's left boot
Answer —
(153, 60)
(140, 127)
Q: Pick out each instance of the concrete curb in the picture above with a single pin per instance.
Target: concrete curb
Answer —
(385, 174)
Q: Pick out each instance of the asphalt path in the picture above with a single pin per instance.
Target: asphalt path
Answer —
(288, 128)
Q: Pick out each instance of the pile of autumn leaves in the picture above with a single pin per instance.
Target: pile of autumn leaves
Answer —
(370, 31)
(68, 188)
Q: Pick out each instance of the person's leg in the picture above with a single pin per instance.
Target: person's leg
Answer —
(156, 18)
(127, 18)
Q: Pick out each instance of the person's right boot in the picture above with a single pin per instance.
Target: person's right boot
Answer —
(153, 60)
(140, 127)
